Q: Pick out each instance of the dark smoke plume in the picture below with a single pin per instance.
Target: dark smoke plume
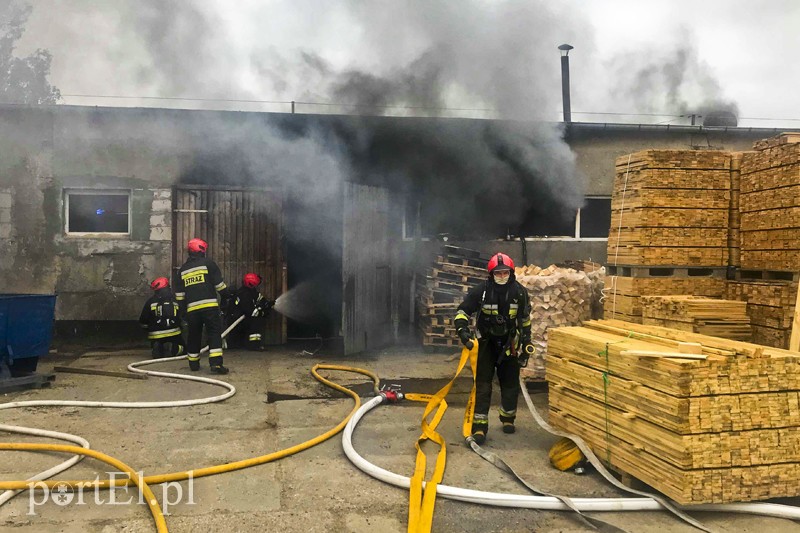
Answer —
(674, 81)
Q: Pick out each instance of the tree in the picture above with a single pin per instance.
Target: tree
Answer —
(23, 80)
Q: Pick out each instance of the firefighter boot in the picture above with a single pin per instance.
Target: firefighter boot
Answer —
(155, 349)
(479, 436)
(194, 365)
(216, 366)
(507, 418)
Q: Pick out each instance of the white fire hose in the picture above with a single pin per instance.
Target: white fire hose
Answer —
(543, 502)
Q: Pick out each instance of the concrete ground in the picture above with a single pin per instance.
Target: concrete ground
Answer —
(279, 404)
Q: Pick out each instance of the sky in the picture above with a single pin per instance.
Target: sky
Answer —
(654, 61)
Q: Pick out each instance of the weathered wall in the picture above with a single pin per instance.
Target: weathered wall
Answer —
(147, 151)
(45, 151)
(597, 146)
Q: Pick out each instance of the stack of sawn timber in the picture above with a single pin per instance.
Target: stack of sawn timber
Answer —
(670, 208)
(770, 306)
(721, 429)
(718, 318)
(769, 206)
(442, 289)
(558, 297)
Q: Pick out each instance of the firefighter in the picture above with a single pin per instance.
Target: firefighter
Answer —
(504, 341)
(199, 281)
(161, 317)
(255, 308)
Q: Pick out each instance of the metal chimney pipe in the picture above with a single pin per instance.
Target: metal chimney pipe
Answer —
(565, 48)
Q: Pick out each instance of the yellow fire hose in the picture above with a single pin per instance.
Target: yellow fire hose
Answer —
(421, 506)
(152, 503)
(179, 476)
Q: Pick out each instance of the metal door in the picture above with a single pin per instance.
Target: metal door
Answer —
(366, 269)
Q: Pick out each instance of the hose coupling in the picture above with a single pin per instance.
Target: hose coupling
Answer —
(392, 396)
(391, 393)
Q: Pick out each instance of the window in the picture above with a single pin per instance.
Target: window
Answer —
(544, 220)
(89, 211)
(594, 219)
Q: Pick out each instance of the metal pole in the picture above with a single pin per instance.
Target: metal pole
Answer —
(565, 88)
(292, 107)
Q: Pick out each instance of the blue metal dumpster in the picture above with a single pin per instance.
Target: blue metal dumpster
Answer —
(26, 330)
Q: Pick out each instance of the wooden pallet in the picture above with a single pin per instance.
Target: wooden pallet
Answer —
(668, 271)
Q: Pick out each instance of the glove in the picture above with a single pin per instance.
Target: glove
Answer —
(525, 353)
(466, 337)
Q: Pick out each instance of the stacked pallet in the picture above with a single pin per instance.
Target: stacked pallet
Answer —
(770, 306)
(622, 294)
(671, 207)
(718, 423)
(709, 316)
(442, 289)
(559, 297)
(770, 205)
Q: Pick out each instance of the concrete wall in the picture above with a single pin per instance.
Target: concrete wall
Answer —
(45, 152)
(597, 146)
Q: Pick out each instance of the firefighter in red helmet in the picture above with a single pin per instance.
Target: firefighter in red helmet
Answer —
(255, 307)
(161, 317)
(504, 341)
(198, 282)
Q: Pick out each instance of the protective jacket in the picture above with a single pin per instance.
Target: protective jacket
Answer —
(199, 280)
(503, 311)
(249, 302)
(161, 315)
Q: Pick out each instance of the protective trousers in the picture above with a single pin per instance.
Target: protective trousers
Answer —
(167, 346)
(491, 357)
(212, 321)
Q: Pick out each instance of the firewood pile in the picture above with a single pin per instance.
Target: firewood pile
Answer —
(559, 297)
(596, 273)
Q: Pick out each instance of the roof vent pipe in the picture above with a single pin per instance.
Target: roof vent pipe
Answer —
(565, 48)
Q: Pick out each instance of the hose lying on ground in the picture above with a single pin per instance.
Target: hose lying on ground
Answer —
(544, 502)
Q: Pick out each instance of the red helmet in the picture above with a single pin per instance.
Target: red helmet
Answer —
(159, 283)
(500, 261)
(198, 245)
(251, 280)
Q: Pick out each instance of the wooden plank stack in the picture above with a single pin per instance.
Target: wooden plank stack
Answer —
(442, 289)
(718, 429)
(622, 295)
(770, 306)
(558, 297)
(770, 205)
(709, 316)
(671, 207)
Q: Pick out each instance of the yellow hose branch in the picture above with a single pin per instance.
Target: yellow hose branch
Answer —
(152, 503)
(228, 467)
(421, 503)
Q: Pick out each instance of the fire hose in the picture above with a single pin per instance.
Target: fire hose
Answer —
(525, 501)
